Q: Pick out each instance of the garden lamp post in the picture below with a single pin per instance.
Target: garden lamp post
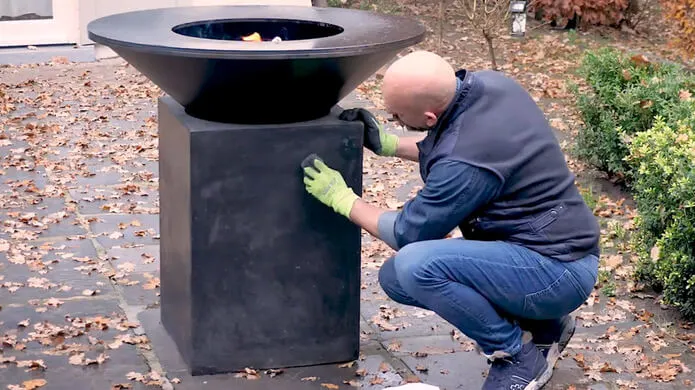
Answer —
(518, 11)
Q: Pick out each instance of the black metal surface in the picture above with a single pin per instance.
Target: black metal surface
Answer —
(255, 272)
(222, 78)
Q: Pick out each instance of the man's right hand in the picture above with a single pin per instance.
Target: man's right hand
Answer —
(375, 138)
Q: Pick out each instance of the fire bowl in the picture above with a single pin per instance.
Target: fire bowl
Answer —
(256, 64)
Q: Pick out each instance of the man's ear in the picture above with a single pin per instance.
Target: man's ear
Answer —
(431, 119)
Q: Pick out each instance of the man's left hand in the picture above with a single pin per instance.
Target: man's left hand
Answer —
(327, 185)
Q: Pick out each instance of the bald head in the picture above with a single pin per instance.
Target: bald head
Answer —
(418, 87)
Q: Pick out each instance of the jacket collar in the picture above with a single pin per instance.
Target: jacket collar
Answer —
(466, 90)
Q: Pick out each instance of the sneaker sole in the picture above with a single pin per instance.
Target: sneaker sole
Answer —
(539, 382)
(553, 355)
(565, 338)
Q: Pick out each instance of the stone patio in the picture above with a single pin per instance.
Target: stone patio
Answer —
(79, 264)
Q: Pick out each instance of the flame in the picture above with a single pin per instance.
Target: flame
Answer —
(255, 37)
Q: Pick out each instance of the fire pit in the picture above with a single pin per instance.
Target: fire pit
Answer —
(254, 271)
(198, 57)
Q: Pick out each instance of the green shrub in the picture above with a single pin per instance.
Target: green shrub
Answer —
(624, 96)
(663, 162)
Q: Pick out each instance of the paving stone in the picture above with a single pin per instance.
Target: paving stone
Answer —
(108, 173)
(85, 308)
(55, 268)
(144, 258)
(410, 321)
(105, 225)
(62, 375)
(117, 200)
(53, 219)
(145, 292)
(98, 178)
(37, 175)
(429, 345)
(461, 370)
(290, 379)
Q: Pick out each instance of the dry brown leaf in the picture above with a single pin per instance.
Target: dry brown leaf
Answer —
(377, 380)
(654, 253)
(394, 346)
(53, 302)
(32, 364)
(384, 367)
(640, 60)
(151, 284)
(77, 360)
(330, 386)
(613, 261)
(309, 379)
(34, 384)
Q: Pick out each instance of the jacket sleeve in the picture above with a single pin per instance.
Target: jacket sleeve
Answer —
(452, 192)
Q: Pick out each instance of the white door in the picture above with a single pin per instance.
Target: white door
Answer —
(38, 22)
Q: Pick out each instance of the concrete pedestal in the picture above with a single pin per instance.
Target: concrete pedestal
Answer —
(255, 272)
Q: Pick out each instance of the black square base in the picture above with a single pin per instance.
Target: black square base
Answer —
(255, 272)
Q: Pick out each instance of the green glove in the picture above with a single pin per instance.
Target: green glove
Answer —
(327, 185)
(375, 138)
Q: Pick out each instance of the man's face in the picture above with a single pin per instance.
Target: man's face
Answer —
(413, 122)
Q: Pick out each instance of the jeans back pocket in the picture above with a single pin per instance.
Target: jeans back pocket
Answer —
(559, 298)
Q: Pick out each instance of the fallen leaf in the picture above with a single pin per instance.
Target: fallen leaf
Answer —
(32, 364)
(273, 373)
(654, 253)
(640, 60)
(384, 367)
(607, 368)
(77, 359)
(377, 380)
(330, 386)
(353, 383)
(394, 346)
(34, 384)
(613, 261)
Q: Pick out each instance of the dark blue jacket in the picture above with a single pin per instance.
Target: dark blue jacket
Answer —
(493, 167)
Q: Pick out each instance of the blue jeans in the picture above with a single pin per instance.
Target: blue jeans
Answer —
(488, 290)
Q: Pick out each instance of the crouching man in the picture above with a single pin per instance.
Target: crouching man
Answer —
(492, 167)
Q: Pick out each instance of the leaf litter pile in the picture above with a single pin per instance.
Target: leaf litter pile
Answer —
(62, 125)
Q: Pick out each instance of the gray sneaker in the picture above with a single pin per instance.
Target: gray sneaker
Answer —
(552, 340)
(527, 370)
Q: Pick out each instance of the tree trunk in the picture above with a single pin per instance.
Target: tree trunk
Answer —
(491, 49)
(441, 23)
(319, 3)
